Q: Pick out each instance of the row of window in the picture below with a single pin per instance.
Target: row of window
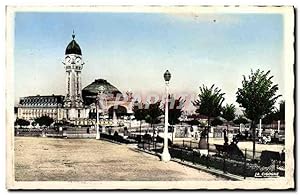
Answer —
(73, 67)
(41, 105)
(54, 114)
(39, 100)
(29, 117)
(36, 111)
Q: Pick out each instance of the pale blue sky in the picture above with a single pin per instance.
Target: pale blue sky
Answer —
(132, 50)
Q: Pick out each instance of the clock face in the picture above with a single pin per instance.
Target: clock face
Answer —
(68, 59)
(78, 59)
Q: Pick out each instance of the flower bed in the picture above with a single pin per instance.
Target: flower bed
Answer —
(227, 165)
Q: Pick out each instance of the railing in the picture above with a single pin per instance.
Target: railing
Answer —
(228, 159)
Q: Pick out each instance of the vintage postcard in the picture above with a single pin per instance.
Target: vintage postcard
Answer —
(151, 97)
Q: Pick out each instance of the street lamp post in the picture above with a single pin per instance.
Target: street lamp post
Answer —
(98, 99)
(97, 124)
(165, 156)
(97, 118)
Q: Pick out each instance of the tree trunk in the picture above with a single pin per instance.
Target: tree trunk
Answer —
(227, 133)
(253, 138)
(207, 133)
(172, 133)
(227, 128)
(141, 129)
(153, 131)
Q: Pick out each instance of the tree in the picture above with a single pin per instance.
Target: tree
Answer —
(153, 113)
(228, 113)
(257, 96)
(209, 103)
(240, 120)
(175, 109)
(269, 118)
(120, 111)
(216, 122)
(44, 120)
(139, 112)
(193, 122)
(22, 122)
(275, 115)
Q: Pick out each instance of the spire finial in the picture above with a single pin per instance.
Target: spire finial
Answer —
(73, 35)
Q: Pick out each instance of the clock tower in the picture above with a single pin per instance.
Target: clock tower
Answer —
(73, 64)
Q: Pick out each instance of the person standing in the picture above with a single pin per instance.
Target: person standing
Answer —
(225, 137)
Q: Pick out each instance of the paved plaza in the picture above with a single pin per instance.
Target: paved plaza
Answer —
(49, 159)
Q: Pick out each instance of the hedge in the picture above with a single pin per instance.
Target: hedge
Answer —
(116, 138)
(222, 163)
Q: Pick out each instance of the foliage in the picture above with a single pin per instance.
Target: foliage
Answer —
(257, 95)
(232, 166)
(175, 109)
(153, 112)
(216, 122)
(44, 120)
(120, 111)
(116, 138)
(147, 138)
(161, 140)
(58, 124)
(116, 134)
(209, 101)
(22, 122)
(275, 115)
(193, 122)
(228, 112)
(266, 157)
(139, 111)
(240, 120)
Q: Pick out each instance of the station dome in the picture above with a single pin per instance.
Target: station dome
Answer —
(90, 92)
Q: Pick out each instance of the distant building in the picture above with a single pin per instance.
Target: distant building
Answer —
(78, 105)
(113, 99)
(32, 107)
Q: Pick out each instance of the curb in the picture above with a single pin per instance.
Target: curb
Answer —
(148, 152)
(111, 141)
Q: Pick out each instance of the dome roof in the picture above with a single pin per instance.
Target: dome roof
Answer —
(90, 92)
(73, 47)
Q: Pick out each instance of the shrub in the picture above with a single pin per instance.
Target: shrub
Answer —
(116, 134)
(147, 137)
(161, 140)
(220, 163)
(216, 122)
(22, 122)
(44, 120)
(116, 137)
(267, 157)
